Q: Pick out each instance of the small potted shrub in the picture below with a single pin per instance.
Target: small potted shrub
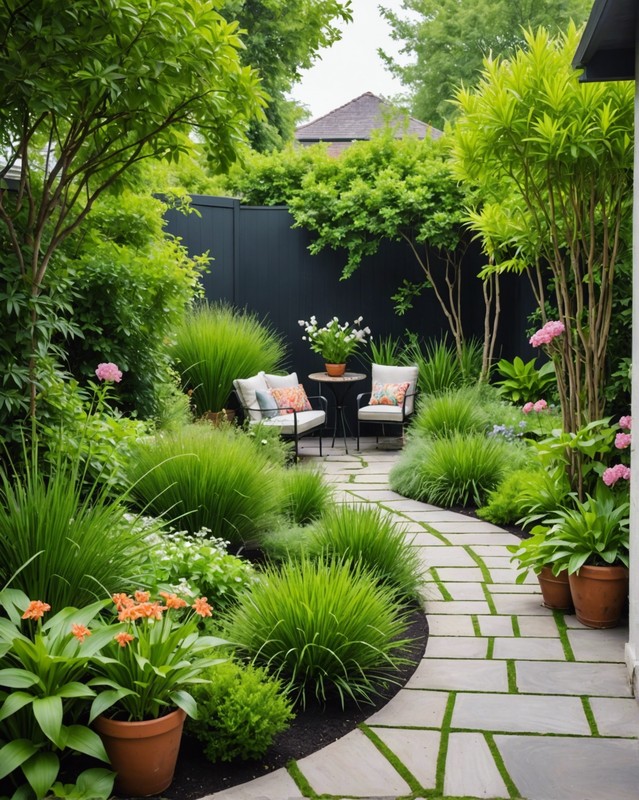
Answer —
(535, 553)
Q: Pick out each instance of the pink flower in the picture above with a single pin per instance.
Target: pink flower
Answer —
(626, 423)
(613, 474)
(623, 440)
(528, 408)
(108, 372)
(546, 334)
(540, 405)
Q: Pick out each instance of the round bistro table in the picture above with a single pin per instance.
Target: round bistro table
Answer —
(339, 388)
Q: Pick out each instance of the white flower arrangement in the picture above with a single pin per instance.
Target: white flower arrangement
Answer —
(334, 342)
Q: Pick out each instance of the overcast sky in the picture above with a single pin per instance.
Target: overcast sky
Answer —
(351, 66)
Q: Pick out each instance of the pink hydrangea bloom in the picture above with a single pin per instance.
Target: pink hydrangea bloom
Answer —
(613, 474)
(108, 372)
(546, 334)
(540, 405)
(622, 440)
(528, 408)
(626, 423)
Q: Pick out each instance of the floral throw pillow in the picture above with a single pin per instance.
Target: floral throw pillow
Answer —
(388, 394)
(291, 398)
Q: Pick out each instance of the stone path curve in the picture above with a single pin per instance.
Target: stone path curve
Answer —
(510, 701)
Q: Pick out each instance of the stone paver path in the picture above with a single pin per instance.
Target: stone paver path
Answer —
(511, 700)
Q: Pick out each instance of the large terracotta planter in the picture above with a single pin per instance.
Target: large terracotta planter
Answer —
(599, 595)
(143, 754)
(335, 370)
(555, 590)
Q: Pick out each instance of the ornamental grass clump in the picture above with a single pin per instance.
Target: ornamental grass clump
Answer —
(453, 411)
(217, 344)
(327, 628)
(369, 537)
(305, 495)
(215, 478)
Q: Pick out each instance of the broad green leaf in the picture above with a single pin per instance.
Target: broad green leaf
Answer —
(75, 689)
(84, 740)
(17, 678)
(107, 699)
(48, 713)
(14, 702)
(96, 783)
(186, 702)
(14, 754)
(41, 770)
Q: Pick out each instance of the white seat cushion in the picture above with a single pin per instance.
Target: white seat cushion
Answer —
(382, 373)
(246, 389)
(306, 421)
(381, 413)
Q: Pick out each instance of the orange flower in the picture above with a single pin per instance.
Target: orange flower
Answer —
(148, 610)
(123, 638)
(36, 609)
(122, 600)
(80, 632)
(172, 601)
(202, 607)
(142, 597)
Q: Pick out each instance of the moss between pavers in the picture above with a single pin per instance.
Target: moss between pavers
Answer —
(446, 595)
(480, 563)
(516, 628)
(443, 743)
(585, 702)
(511, 671)
(563, 635)
(489, 599)
(490, 647)
(302, 784)
(383, 748)
(501, 767)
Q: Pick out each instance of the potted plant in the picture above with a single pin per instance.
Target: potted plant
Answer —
(155, 651)
(335, 342)
(535, 553)
(591, 541)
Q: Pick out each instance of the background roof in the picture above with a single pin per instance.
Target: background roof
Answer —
(606, 51)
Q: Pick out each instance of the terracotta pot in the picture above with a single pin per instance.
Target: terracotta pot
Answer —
(219, 417)
(335, 370)
(599, 595)
(143, 754)
(555, 590)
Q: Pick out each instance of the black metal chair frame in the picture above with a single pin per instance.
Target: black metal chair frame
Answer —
(402, 423)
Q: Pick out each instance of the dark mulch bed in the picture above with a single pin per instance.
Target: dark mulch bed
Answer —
(311, 730)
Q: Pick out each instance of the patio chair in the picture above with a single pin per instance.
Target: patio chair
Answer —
(279, 401)
(391, 400)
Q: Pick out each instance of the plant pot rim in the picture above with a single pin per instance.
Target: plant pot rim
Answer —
(106, 724)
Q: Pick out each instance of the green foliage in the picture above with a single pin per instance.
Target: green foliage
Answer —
(62, 536)
(371, 538)
(453, 411)
(386, 350)
(449, 39)
(217, 344)
(305, 494)
(196, 564)
(45, 695)
(215, 478)
(440, 368)
(286, 541)
(523, 382)
(326, 628)
(504, 504)
(453, 471)
(241, 710)
(533, 553)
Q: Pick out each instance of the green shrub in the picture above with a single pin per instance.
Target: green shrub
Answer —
(504, 503)
(370, 537)
(217, 344)
(287, 542)
(323, 627)
(215, 478)
(386, 350)
(440, 368)
(64, 540)
(305, 494)
(453, 411)
(196, 565)
(240, 712)
(522, 381)
(454, 471)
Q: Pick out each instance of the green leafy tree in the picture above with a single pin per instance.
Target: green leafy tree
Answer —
(283, 37)
(556, 156)
(447, 41)
(87, 90)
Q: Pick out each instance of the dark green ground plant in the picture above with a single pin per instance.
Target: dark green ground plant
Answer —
(504, 505)
(454, 471)
(217, 344)
(62, 536)
(453, 411)
(521, 381)
(215, 478)
(241, 710)
(305, 495)
(328, 629)
(370, 537)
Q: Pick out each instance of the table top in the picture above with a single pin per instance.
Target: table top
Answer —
(347, 377)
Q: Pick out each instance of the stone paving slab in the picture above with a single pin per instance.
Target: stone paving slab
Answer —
(493, 550)
(459, 574)
(596, 645)
(458, 607)
(424, 539)
(520, 604)
(276, 785)
(417, 750)
(415, 708)
(497, 562)
(470, 768)
(405, 505)
(596, 680)
(553, 768)
(495, 625)
(375, 495)
(502, 584)
(616, 716)
(518, 713)
(466, 525)
(352, 766)
(456, 647)
(460, 675)
(538, 626)
(470, 538)
(530, 648)
(465, 591)
(450, 625)
(445, 557)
